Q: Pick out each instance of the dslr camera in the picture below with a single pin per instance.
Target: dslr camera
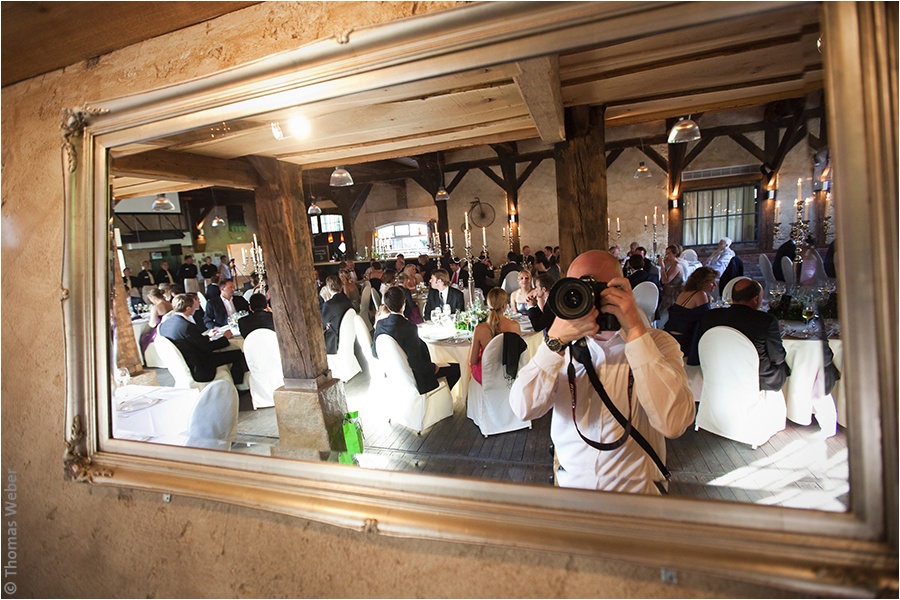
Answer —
(572, 298)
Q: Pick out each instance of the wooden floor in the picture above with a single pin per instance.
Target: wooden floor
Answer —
(797, 468)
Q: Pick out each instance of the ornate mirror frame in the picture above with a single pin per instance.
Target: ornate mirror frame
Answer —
(809, 551)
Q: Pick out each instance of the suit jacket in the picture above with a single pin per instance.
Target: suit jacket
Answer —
(540, 319)
(145, 278)
(185, 271)
(761, 329)
(407, 337)
(507, 269)
(194, 346)
(455, 299)
(208, 270)
(789, 249)
(734, 269)
(216, 315)
(462, 278)
(162, 276)
(256, 320)
(332, 313)
(642, 276)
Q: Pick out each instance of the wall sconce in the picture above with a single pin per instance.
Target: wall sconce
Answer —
(330, 238)
(673, 203)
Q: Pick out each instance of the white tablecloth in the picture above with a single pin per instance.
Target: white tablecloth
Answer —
(806, 360)
(457, 351)
(142, 412)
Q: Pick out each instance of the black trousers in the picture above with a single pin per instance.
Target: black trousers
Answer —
(233, 357)
(451, 372)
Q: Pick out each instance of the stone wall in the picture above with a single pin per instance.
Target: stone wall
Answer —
(80, 541)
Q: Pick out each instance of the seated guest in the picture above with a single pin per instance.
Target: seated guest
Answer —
(406, 335)
(160, 307)
(399, 263)
(412, 270)
(518, 300)
(459, 277)
(333, 313)
(789, 249)
(350, 267)
(759, 327)
(197, 318)
(375, 275)
(198, 350)
(484, 332)
(483, 273)
(526, 259)
(442, 294)
(219, 308)
(540, 317)
(541, 263)
(689, 307)
(734, 269)
(426, 266)
(348, 286)
(639, 273)
(721, 256)
(408, 285)
(387, 280)
(260, 316)
(212, 286)
(510, 266)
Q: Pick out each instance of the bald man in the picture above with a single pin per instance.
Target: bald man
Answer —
(662, 405)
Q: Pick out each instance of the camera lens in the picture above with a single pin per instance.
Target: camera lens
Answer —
(571, 298)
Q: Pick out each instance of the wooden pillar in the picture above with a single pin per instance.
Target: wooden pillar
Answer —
(581, 193)
(312, 405)
(127, 354)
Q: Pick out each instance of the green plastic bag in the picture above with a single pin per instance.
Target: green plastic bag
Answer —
(353, 433)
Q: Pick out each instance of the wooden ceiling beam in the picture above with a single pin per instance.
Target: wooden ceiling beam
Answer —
(187, 168)
(538, 82)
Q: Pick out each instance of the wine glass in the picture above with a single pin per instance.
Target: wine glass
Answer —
(809, 312)
(122, 377)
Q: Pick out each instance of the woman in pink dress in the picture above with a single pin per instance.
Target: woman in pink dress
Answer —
(496, 324)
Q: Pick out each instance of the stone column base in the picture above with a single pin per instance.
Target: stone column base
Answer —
(145, 377)
(309, 421)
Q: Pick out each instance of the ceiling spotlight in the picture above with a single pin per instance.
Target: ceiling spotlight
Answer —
(314, 209)
(442, 195)
(218, 221)
(277, 133)
(299, 126)
(685, 130)
(642, 171)
(162, 203)
(341, 178)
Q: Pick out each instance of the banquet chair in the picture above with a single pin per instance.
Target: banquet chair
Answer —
(213, 423)
(344, 365)
(488, 402)
(729, 287)
(405, 405)
(787, 270)
(191, 285)
(731, 403)
(646, 296)
(264, 362)
(249, 293)
(365, 301)
(178, 368)
(765, 267)
(511, 282)
(365, 343)
(820, 276)
(202, 298)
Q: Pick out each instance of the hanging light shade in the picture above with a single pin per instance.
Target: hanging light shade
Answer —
(642, 171)
(218, 221)
(685, 130)
(162, 204)
(442, 195)
(341, 178)
(314, 209)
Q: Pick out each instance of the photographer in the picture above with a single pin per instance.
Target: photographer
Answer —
(659, 404)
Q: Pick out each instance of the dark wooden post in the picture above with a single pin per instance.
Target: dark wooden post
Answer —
(311, 405)
(581, 193)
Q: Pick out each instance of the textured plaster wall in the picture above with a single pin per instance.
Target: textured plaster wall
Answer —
(75, 540)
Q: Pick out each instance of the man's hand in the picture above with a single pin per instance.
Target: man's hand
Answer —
(618, 299)
(227, 335)
(569, 331)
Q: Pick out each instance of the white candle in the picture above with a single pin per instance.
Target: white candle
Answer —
(254, 239)
(244, 255)
(618, 228)
(778, 211)
(645, 220)
(654, 216)
(483, 237)
(450, 238)
(664, 218)
(607, 225)
(467, 220)
(799, 190)
(504, 232)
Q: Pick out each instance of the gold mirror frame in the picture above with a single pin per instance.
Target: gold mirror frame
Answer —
(808, 551)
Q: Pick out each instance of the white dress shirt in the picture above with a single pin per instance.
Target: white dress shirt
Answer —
(663, 407)
(719, 259)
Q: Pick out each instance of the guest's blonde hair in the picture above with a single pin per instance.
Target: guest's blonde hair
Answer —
(496, 302)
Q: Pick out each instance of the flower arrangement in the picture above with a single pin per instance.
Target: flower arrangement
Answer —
(467, 320)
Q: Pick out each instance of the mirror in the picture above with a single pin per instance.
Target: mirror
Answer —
(138, 129)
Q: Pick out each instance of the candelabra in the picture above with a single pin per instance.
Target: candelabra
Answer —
(470, 262)
(799, 232)
(255, 259)
(655, 238)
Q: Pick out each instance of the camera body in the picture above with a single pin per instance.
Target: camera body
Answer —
(572, 298)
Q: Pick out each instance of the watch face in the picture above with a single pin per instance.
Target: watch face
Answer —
(554, 344)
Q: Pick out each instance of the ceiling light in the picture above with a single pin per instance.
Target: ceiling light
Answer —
(218, 221)
(162, 203)
(299, 126)
(341, 178)
(442, 195)
(277, 133)
(642, 171)
(314, 209)
(685, 130)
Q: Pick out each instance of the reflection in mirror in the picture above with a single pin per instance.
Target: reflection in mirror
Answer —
(759, 175)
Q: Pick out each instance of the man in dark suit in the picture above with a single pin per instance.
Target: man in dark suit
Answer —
(132, 288)
(333, 312)
(164, 275)
(789, 249)
(734, 269)
(441, 293)
(406, 335)
(540, 316)
(510, 266)
(640, 274)
(459, 277)
(259, 318)
(759, 327)
(187, 270)
(199, 352)
(220, 307)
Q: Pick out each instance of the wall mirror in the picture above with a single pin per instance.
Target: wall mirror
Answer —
(420, 69)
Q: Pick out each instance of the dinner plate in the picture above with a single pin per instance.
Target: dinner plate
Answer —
(137, 404)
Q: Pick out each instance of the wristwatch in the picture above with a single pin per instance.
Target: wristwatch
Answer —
(553, 343)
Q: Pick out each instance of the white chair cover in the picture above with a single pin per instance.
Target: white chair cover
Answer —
(488, 405)
(365, 343)
(726, 291)
(192, 286)
(249, 293)
(365, 300)
(213, 423)
(172, 359)
(765, 266)
(264, 361)
(692, 263)
(787, 269)
(406, 405)
(820, 276)
(510, 282)
(646, 296)
(202, 301)
(731, 403)
(344, 365)
(376, 299)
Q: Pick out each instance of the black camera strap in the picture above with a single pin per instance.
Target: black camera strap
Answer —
(579, 351)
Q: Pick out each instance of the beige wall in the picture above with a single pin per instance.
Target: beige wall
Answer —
(80, 541)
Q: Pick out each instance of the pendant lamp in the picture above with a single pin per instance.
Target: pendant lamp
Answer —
(642, 171)
(341, 178)
(685, 130)
(162, 204)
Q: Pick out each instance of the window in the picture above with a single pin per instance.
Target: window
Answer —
(710, 215)
(405, 238)
(331, 223)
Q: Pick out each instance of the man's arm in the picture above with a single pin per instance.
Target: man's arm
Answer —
(774, 347)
